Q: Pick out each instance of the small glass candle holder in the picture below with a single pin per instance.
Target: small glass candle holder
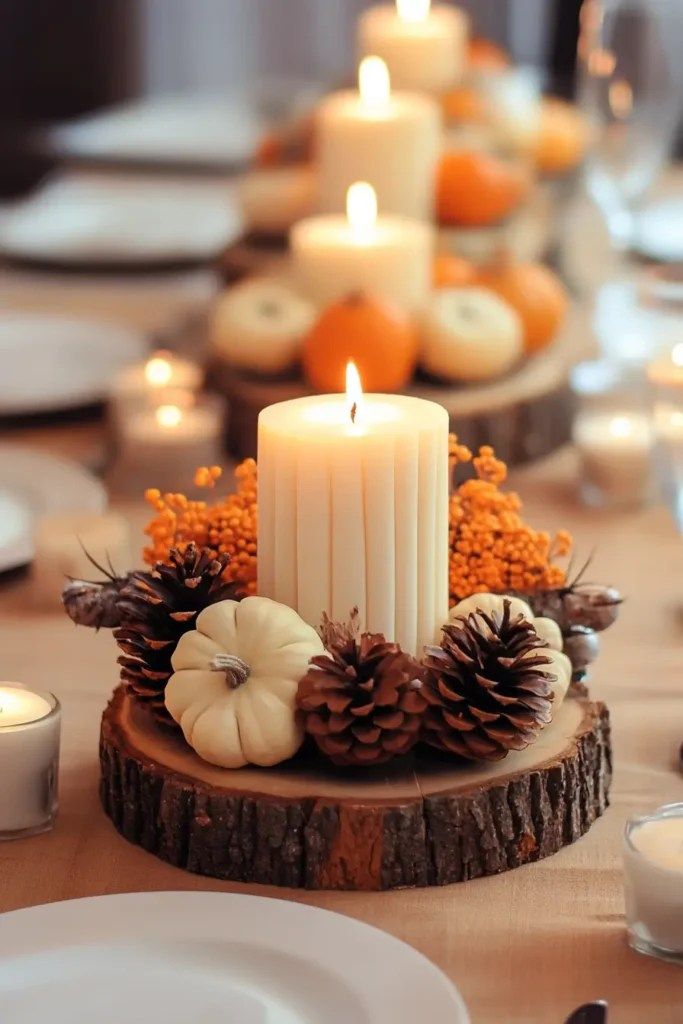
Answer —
(666, 379)
(653, 882)
(30, 726)
(162, 446)
(149, 382)
(613, 435)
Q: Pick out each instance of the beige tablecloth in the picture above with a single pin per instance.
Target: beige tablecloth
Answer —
(526, 946)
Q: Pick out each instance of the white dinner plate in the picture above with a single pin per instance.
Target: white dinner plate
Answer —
(33, 484)
(101, 221)
(212, 958)
(658, 233)
(50, 362)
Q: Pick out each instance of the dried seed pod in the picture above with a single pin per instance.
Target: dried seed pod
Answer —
(94, 604)
(592, 605)
(582, 646)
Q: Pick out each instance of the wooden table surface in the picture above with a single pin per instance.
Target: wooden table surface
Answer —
(526, 946)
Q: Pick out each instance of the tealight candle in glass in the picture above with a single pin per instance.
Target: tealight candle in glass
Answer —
(30, 726)
(148, 383)
(653, 882)
(666, 378)
(613, 437)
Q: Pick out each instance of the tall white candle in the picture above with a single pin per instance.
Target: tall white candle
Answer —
(353, 511)
(424, 47)
(390, 257)
(29, 756)
(391, 139)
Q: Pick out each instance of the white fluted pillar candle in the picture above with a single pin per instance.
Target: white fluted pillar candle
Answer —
(353, 511)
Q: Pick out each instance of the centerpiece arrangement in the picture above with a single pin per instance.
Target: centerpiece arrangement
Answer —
(401, 216)
(346, 675)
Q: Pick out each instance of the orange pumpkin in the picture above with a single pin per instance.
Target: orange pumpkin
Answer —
(534, 292)
(380, 339)
(478, 189)
(449, 271)
(562, 137)
(485, 55)
(463, 105)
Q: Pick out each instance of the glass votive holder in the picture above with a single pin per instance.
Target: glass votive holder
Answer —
(147, 383)
(613, 435)
(653, 882)
(666, 379)
(30, 726)
(162, 446)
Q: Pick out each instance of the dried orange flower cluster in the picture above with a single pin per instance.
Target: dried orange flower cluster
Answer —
(491, 547)
(227, 525)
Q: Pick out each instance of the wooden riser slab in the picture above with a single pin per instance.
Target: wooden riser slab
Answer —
(419, 821)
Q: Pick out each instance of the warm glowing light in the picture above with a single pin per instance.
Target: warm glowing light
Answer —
(601, 63)
(168, 416)
(361, 209)
(354, 391)
(374, 85)
(621, 99)
(677, 355)
(158, 371)
(621, 426)
(413, 10)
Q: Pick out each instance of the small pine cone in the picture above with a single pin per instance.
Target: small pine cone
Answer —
(487, 688)
(362, 700)
(155, 609)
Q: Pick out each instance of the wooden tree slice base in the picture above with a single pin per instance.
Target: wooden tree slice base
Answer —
(525, 415)
(415, 822)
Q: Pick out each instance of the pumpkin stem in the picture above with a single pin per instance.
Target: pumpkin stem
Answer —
(236, 671)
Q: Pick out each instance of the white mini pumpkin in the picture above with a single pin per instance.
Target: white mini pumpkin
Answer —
(469, 334)
(275, 198)
(235, 681)
(259, 325)
(547, 629)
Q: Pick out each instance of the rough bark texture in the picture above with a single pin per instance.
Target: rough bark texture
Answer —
(522, 423)
(349, 842)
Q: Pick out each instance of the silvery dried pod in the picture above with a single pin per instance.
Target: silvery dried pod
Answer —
(582, 646)
(592, 605)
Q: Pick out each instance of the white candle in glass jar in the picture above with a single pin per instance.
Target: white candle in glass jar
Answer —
(615, 449)
(391, 257)
(150, 381)
(390, 139)
(29, 759)
(424, 46)
(653, 881)
(353, 511)
(163, 446)
(667, 371)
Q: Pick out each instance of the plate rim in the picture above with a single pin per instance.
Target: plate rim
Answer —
(88, 911)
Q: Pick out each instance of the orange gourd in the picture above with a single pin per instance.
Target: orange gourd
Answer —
(478, 189)
(380, 339)
(485, 55)
(538, 296)
(463, 105)
(449, 271)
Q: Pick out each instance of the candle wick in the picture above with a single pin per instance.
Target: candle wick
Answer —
(354, 410)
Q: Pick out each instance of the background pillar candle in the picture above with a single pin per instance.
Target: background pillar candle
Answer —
(391, 139)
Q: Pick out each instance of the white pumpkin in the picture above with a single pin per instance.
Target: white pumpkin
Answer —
(469, 334)
(259, 325)
(547, 629)
(275, 198)
(235, 680)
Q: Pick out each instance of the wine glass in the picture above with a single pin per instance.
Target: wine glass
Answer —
(632, 93)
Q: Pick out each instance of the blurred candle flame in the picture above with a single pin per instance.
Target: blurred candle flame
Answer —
(621, 99)
(601, 63)
(620, 426)
(677, 354)
(168, 416)
(413, 10)
(354, 391)
(361, 209)
(374, 84)
(158, 371)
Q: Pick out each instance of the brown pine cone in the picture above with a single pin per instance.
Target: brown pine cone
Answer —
(155, 609)
(361, 700)
(488, 689)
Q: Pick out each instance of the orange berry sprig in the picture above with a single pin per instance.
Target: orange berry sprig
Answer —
(490, 547)
(228, 525)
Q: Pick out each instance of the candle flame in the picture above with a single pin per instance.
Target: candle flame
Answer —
(374, 84)
(158, 371)
(168, 416)
(361, 208)
(677, 355)
(621, 426)
(413, 10)
(354, 391)
(621, 99)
